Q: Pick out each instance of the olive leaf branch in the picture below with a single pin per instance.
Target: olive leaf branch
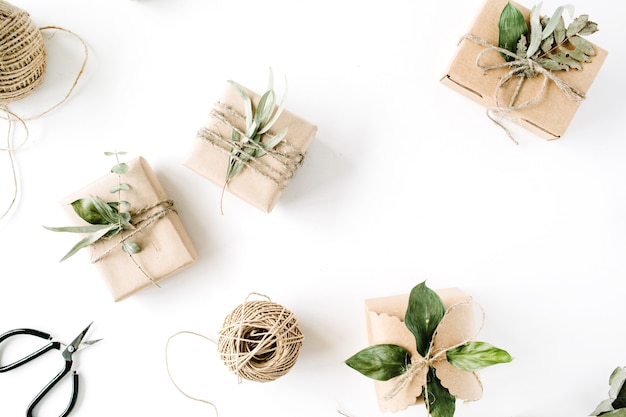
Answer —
(424, 313)
(548, 41)
(106, 219)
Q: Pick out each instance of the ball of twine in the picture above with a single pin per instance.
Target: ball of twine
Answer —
(22, 54)
(260, 341)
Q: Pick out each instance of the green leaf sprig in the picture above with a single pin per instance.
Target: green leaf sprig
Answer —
(424, 313)
(106, 219)
(615, 405)
(259, 121)
(548, 41)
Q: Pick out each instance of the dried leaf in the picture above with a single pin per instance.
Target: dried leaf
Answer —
(551, 64)
(590, 28)
(559, 32)
(583, 44)
(566, 60)
(577, 54)
(577, 25)
(548, 43)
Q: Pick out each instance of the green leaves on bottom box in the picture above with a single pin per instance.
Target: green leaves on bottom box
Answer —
(424, 313)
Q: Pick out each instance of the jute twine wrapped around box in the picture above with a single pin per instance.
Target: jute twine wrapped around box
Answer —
(259, 341)
(22, 70)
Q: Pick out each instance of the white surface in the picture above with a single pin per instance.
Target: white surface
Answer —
(406, 181)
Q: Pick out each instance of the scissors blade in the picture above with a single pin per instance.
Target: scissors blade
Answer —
(73, 347)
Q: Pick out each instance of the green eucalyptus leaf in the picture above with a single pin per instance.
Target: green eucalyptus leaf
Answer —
(265, 108)
(277, 113)
(79, 229)
(440, 403)
(87, 209)
(380, 362)
(535, 30)
(131, 248)
(90, 240)
(119, 187)
(511, 27)
(474, 356)
(273, 141)
(105, 210)
(424, 312)
(247, 103)
(120, 168)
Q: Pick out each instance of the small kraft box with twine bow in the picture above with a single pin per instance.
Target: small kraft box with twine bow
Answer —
(165, 245)
(549, 110)
(385, 317)
(262, 179)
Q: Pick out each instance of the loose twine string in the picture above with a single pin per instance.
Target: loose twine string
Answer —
(22, 68)
(418, 363)
(522, 68)
(289, 159)
(142, 219)
(259, 341)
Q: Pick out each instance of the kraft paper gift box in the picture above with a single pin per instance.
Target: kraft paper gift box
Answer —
(262, 180)
(165, 246)
(385, 325)
(552, 114)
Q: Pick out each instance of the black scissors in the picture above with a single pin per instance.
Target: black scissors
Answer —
(67, 354)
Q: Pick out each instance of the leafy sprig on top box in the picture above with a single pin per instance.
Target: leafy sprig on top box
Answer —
(424, 314)
(615, 405)
(548, 41)
(106, 219)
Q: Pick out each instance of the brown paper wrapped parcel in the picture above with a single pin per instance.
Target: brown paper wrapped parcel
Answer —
(262, 180)
(552, 114)
(165, 246)
(385, 325)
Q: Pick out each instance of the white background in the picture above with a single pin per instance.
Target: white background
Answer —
(406, 181)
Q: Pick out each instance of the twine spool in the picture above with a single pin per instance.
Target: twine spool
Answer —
(22, 54)
(260, 341)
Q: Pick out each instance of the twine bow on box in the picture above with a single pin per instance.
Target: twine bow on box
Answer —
(455, 329)
(522, 68)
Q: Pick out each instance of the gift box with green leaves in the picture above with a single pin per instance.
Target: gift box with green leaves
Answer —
(130, 227)
(527, 68)
(422, 350)
(251, 146)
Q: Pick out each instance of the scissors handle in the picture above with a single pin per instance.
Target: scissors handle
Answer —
(34, 355)
(51, 384)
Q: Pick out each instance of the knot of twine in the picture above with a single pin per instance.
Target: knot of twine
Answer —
(22, 69)
(288, 158)
(260, 341)
(523, 68)
(419, 363)
(141, 219)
